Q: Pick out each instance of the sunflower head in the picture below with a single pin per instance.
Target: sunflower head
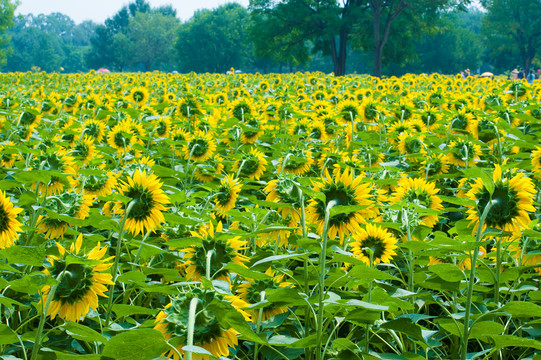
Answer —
(373, 244)
(9, 225)
(79, 283)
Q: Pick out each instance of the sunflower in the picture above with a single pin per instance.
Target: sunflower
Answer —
(340, 190)
(208, 334)
(223, 252)
(348, 110)
(138, 95)
(462, 150)
(200, 147)
(411, 144)
(73, 204)
(121, 137)
(463, 122)
(9, 155)
(100, 184)
(209, 170)
(251, 165)
(85, 151)
(147, 203)
(434, 164)
(56, 161)
(9, 225)
(536, 161)
(512, 195)
(250, 293)
(93, 129)
(376, 238)
(227, 194)
(296, 161)
(79, 285)
(420, 192)
(242, 109)
(284, 190)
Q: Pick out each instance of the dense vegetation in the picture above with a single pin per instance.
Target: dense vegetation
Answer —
(418, 39)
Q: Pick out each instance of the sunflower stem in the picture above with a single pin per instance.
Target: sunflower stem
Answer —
(114, 271)
(43, 315)
(322, 272)
(191, 325)
(258, 325)
(469, 294)
(498, 271)
(307, 312)
(209, 263)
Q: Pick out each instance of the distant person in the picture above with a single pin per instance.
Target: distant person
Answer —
(531, 77)
(538, 73)
(467, 72)
(514, 74)
(521, 74)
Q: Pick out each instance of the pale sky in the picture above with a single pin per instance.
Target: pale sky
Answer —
(99, 10)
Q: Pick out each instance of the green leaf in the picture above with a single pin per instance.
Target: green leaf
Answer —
(285, 297)
(122, 310)
(281, 257)
(449, 272)
(481, 330)
(196, 350)
(502, 341)
(366, 273)
(7, 302)
(30, 177)
(27, 255)
(229, 317)
(132, 276)
(63, 356)
(457, 200)
(246, 273)
(7, 335)
(522, 309)
(31, 283)
(84, 333)
(476, 172)
(138, 344)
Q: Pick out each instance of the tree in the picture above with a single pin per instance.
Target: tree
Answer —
(288, 28)
(214, 40)
(7, 9)
(513, 28)
(152, 35)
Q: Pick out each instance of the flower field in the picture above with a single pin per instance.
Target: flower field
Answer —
(294, 216)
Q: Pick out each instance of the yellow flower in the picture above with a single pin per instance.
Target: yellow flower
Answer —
(376, 238)
(9, 225)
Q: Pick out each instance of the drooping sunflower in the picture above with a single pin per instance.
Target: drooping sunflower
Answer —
(71, 203)
(434, 164)
(57, 161)
(462, 150)
(9, 155)
(250, 293)
(296, 161)
(9, 225)
(93, 129)
(200, 147)
(100, 184)
(210, 169)
(208, 334)
(223, 251)
(251, 165)
(411, 144)
(513, 197)
(376, 238)
(121, 137)
(85, 150)
(283, 190)
(340, 190)
(420, 192)
(227, 194)
(79, 284)
(147, 204)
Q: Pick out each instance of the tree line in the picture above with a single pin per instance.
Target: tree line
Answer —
(380, 37)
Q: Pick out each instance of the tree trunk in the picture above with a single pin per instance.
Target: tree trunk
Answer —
(378, 60)
(339, 54)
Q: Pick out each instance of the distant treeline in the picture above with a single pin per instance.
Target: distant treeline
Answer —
(139, 37)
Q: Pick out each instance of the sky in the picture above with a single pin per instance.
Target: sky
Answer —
(99, 10)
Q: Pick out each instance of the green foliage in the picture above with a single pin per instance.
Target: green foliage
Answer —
(512, 31)
(214, 40)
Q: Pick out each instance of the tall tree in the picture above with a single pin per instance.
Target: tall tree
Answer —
(152, 35)
(293, 25)
(513, 27)
(7, 9)
(214, 40)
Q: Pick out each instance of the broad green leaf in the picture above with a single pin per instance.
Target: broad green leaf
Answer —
(405, 326)
(26, 255)
(280, 257)
(7, 335)
(285, 297)
(503, 341)
(196, 350)
(449, 272)
(482, 329)
(63, 356)
(31, 283)
(366, 273)
(29, 177)
(522, 309)
(132, 276)
(136, 344)
(246, 273)
(457, 200)
(122, 310)
(84, 333)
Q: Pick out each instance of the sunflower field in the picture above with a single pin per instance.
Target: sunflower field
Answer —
(281, 216)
